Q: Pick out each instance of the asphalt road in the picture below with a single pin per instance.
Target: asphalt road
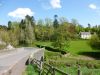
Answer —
(8, 60)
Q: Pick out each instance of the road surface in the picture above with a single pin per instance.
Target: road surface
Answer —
(9, 59)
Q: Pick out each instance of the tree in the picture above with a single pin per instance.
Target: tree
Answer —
(49, 29)
(62, 39)
(98, 31)
(27, 35)
(22, 32)
(55, 23)
(74, 22)
(79, 28)
(72, 31)
(9, 25)
(4, 36)
(48, 22)
(95, 41)
(94, 29)
(89, 25)
(62, 20)
(39, 30)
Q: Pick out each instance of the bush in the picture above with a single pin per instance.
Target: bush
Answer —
(52, 49)
(95, 41)
(2, 47)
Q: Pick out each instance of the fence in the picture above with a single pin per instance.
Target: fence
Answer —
(47, 69)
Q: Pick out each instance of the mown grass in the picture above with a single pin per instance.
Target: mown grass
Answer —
(76, 47)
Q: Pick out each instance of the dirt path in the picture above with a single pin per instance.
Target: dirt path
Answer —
(79, 57)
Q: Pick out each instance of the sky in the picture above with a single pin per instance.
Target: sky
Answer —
(84, 11)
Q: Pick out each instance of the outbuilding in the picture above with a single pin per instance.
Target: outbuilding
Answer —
(85, 35)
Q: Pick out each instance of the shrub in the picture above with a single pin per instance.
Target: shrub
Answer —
(95, 41)
(52, 49)
(2, 47)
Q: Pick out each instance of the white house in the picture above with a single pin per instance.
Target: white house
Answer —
(85, 35)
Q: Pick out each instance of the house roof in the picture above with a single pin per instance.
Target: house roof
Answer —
(85, 33)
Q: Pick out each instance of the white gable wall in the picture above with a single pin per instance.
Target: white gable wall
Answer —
(85, 36)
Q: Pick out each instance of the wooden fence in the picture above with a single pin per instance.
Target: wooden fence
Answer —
(47, 69)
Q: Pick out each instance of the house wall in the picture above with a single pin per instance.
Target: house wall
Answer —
(85, 36)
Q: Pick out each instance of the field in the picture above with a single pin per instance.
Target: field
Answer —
(79, 46)
(80, 53)
(76, 47)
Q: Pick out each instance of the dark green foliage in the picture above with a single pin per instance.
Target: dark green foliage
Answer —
(61, 41)
(55, 23)
(58, 31)
(95, 41)
(52, 49)
(2, 47)
(9, 25)
(31, 70)
(3, 27)
(22, 24)
(98, 32)
(27, 35)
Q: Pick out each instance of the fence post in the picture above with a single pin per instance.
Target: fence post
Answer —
(29, 61)
(67, 72)
(41, 65)
(53, 71)
(40, 68)
(79, 71)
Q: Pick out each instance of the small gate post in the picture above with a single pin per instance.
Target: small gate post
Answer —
(79, 71)
(53, 70)
(41, 65)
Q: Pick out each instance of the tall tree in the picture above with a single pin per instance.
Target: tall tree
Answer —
(29, 33)
(22, 32)
(62, 20)
(49, 28)
(55, 23)
(9, 25)
(74, 22)
(27, 30)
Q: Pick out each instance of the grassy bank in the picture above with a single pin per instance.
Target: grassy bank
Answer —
(70, 65)
(80, 54)
(76, 47)
(30, 70)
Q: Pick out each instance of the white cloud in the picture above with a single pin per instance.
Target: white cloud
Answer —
(93, 6)
(55, 4)
(21, 13)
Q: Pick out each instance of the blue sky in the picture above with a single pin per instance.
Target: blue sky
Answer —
(85, 11)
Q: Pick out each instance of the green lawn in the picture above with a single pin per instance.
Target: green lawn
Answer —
(80, 46)
(75, 47)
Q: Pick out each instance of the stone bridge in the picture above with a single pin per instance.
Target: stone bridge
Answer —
(13, 62)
